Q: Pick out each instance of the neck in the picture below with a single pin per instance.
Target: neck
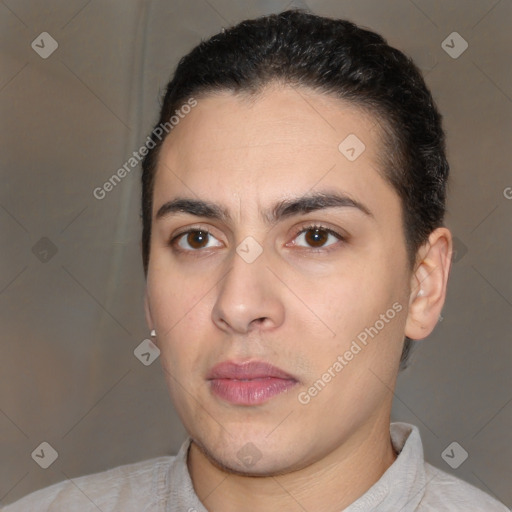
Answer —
(329, 484)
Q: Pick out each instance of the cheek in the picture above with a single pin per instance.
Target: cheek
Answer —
(173, 293)
(340, 303)
(179, 310)
(350, 304)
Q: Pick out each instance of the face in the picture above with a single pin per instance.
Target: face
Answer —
(279, 289)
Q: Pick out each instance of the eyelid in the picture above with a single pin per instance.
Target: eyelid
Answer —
(195, 227)
(175, 238)
(307, 226)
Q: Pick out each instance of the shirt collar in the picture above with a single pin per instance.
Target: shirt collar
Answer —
(400, 488)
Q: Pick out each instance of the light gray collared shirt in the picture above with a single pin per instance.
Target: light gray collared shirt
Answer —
(163, 484)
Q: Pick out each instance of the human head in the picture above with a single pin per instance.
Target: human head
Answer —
(263, 160)
(334, 57)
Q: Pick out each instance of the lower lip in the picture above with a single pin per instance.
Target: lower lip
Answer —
(250, 392)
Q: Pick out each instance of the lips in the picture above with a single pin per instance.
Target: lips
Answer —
(247, 371)
(249, 383)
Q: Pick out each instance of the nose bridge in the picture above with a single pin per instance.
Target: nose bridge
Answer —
(247, 292)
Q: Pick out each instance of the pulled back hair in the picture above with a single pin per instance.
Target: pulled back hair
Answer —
(338, 58)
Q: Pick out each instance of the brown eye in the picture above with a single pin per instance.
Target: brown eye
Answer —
(194, 240)
(197, 239)
(317, 237)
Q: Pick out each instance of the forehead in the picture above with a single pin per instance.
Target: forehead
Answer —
(277, 116)
(285, 141)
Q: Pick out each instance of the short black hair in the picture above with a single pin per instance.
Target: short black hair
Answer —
(334, 57)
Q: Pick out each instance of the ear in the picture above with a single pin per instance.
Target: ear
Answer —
(147, 311)
(428, 284)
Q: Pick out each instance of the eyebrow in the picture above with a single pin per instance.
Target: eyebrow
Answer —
(280, 211)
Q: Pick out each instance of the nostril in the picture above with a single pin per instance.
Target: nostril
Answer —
(259, 321)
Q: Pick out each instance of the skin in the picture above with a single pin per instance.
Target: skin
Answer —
(296, 306)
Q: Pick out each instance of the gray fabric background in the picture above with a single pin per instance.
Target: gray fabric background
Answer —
(70, 321)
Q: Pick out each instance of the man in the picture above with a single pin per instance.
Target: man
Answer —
(293, 245)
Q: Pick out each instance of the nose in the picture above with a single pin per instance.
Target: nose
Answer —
(249, 297)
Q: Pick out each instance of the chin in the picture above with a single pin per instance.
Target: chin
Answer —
(252, 455)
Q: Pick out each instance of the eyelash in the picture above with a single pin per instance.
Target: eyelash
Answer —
(320, 227)
(303, 229)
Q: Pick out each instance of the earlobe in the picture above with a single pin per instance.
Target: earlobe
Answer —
(428, 284)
